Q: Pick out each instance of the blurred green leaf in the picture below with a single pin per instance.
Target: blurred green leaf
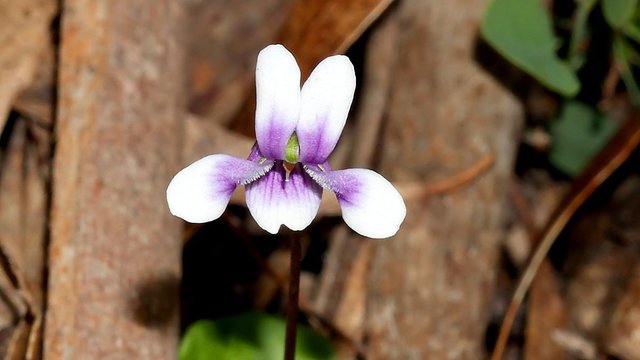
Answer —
(624, 55)
(618, 12)
(632, 30)
(250, 336)
(579, 32)
(578, 133)
(521, 31)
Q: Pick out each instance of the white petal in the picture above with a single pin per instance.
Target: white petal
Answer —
(370, 204)
(325, 100)
(277, 99)
(273, 201)
(201, 191)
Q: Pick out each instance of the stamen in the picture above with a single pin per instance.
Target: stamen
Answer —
(260, 173)
(288, 168)
(321, 180)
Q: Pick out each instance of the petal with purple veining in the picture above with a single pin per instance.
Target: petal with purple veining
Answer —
(325, 100)
(370, 204)
(273, 201)
(277, 99)
(201, 191)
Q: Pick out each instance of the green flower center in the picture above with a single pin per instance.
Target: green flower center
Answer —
(292, 151)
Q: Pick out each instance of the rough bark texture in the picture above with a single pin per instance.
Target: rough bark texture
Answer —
(547, 316)
(24, 37)
(14, 240)
(621, 338)
(318, 28)
(430, 286)
(115, 249)
(342, 286)
(224, 40)
(23, 224)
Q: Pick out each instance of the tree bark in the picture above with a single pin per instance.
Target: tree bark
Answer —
(430, 286)
(115, 249)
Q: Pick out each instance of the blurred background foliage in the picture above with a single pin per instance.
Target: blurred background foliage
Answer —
(560, 46)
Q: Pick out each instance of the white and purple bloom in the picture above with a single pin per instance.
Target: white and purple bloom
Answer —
(296, 131)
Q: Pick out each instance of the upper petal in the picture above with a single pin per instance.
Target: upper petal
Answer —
(325, 100)
(370, 204)
(273, 201)
(277, 99)
(201, 191)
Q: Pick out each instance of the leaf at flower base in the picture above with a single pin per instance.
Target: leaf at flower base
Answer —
(579, 133)
(521, 31)
(618, 12)
(253, 335)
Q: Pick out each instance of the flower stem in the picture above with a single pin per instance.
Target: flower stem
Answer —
(292, 305)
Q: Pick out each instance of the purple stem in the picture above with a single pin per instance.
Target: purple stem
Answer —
(292, 305)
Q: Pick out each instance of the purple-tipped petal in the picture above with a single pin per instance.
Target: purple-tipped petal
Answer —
(325, 100)
(277, 99)
(273, 201)
(370, 205)
(201, 191)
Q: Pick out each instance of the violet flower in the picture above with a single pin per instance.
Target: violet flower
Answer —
(296, 130)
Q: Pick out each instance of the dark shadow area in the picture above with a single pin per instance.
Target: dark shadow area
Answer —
(218, 273)
(155, 303)
(5, 136)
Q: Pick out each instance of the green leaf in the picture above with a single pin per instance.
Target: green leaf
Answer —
(618, 12)
(624, 55)
(579, 32)
(579, 133)
(521, 31)
(252, 336)
(632, 31)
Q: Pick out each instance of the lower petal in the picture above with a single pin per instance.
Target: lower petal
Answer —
(201, 191)
(370, 204)
(275, 201)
